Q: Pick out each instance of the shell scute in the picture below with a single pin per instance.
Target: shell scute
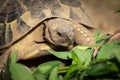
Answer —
(24, 15)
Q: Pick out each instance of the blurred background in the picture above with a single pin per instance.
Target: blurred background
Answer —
(103, 14)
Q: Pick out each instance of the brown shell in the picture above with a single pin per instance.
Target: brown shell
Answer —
(19, 17)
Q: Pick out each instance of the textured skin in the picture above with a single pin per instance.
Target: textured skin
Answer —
(24, 26)
(60, 32)
(83, 36)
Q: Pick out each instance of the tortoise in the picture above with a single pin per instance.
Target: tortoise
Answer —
(34, 26)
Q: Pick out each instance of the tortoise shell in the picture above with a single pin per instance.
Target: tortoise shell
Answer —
(19, 17)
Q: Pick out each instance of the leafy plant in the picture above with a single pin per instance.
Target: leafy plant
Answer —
(97, 62)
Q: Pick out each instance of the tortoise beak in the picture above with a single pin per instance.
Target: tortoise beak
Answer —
(70, 47)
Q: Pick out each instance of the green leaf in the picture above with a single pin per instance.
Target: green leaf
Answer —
(71, 71)
(54, 74)
(101, 38)
(39, 76)
(84, 56)
(75, 58)
(116, 52)
(62, 55)
(101, 69)
(96, 35)
(14, 57)
(82, 47)
(61, 78)
(46, 68)
(20, 72)
(6, 74)
(106, 52)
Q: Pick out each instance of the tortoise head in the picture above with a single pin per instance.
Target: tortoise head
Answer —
(59, 32)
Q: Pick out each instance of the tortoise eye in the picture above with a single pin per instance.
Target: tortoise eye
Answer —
(59, 34)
